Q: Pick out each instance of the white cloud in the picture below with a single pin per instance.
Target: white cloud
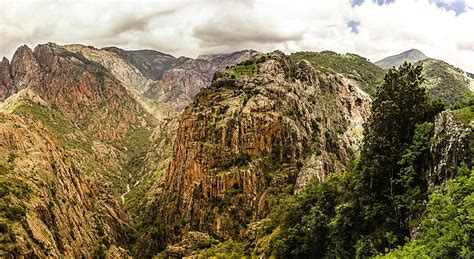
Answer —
(195, 27)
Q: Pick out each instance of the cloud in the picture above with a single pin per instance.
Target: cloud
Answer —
(374, 29)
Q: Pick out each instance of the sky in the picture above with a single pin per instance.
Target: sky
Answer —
(442, 29)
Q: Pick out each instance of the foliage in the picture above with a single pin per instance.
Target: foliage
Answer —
(246, 68)
(228, 249)
(373, 206)
(366, 74)
(381, 182)
(409, 201)
(238, 160)
(446, 82)
(306, 222)
(446, 230)
(466, 114)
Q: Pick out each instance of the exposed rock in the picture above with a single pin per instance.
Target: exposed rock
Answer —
(181, 82)
(412, 55)
(6, 79)
(150, 63)
(65, 213)
(449, 147)
(248, 136)
(229, 59)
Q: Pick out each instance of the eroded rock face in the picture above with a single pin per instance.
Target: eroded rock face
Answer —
(80, 89)
(449, 147)
(252, 135)
(6, 79)
(183, 80)
(151, 63)
(57, 211)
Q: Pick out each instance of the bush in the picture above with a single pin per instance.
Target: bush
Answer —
(13, 212)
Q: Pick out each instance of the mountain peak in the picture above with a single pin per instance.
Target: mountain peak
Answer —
(411, 55)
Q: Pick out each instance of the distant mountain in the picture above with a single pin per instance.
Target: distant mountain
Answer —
(412, 55)
(443, 81)
(151, 63)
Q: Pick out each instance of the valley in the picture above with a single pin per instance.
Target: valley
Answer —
(107, 153)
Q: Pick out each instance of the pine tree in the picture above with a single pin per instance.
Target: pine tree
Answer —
(399, 105)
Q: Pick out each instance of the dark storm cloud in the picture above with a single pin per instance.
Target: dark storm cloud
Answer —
(138, 23)
(235, 29)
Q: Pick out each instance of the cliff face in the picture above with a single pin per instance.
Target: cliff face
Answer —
(49, 208)
(78, 88)
(449, 147)
(6, 80)
(150, 63)
(261, 128)
(182, 81)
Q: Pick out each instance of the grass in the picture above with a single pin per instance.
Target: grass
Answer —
(53, 121)
(466, 114)
(446, 82)
(248, 68)
(366, 74)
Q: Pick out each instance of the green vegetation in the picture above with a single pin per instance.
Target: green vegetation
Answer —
(228, 249)
(366, 74)
(246, 68)
(238, 160)
(14, 193)
(52, 120)
(466, 114)
(445, 82)
(446, 231)
(373, 207)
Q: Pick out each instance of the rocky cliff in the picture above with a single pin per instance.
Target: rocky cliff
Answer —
(181, 82)
(451, 145)
(262, 128)
(80, 89)
(49, 208)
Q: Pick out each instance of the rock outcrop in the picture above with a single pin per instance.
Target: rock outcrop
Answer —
(182, 81)
(80, 89)
(49, 208)
(260, 128)
(449, 147)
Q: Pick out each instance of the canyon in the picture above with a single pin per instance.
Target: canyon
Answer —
(114, 153)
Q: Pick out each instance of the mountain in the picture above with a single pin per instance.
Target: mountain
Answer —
(89, 104)
(412, 55)
(151, 63)
(180, 83)
(443, 81)
(115, 153)
(263, 129)
(49, 206)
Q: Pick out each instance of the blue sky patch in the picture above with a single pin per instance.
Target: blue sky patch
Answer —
(353, 25)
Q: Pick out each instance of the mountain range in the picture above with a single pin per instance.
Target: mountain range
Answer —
(115, 153)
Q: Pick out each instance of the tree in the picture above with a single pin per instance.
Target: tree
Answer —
(399, 105)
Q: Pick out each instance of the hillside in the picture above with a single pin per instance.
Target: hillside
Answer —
(443, 81)
(224, 176)
(112, 152)
(447, 82)
(361, 71)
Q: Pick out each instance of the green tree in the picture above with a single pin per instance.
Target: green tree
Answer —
(412, 182)
(399, 105)
(446, 230)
